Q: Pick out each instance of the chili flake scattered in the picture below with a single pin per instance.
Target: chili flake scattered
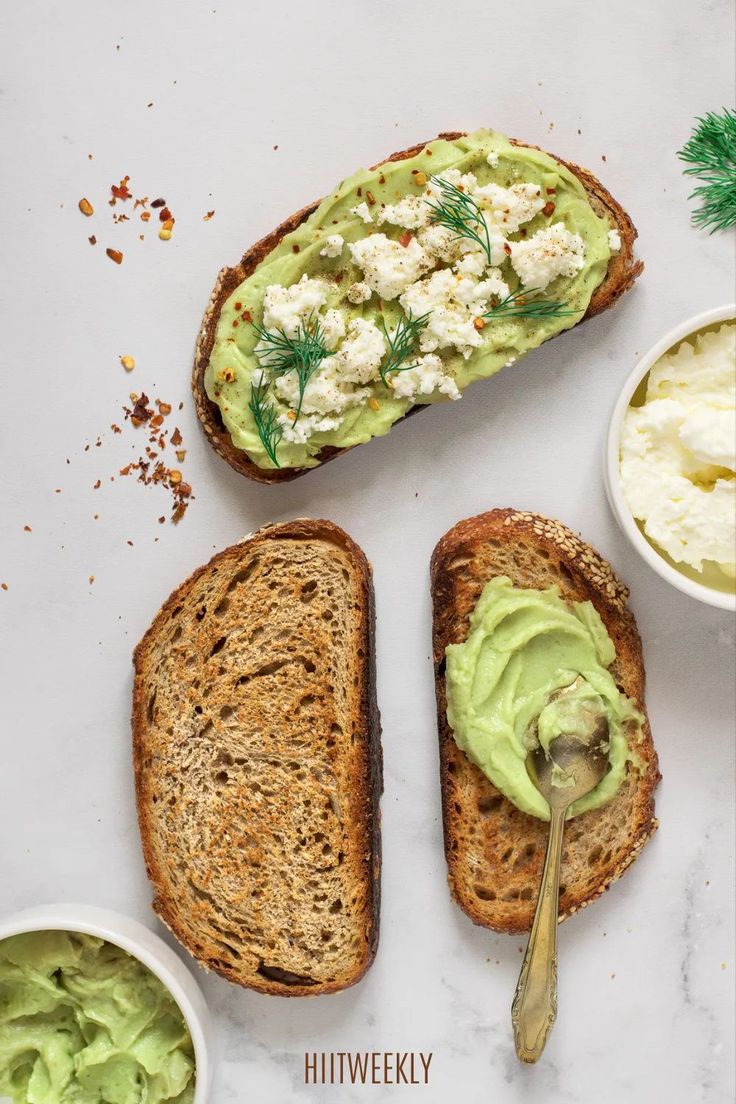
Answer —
(128, 363)
(86, 207)
(115, 255)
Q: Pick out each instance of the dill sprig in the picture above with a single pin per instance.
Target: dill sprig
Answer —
(264, 414)
(457, 211)
(302, 353)
(518, 304)
(401, 343)
(710, 155)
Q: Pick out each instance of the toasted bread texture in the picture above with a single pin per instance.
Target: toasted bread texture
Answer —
(623, 269)
(494, 852)
(257, 756)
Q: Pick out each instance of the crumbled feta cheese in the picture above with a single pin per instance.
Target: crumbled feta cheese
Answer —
(492, 159)
(472, 264)
(551, 252)
(359, 293)
(465, 181)
(511, 207)
(299, 432)
(333, 246)
(358, 358)
(425, 375)
(453, 303)
(412, 212)
(440, 244)
(362, 211)
(678, 452)
(287, 309)
(326, 393)
(614, 241)
(388, 266)
(333, 327)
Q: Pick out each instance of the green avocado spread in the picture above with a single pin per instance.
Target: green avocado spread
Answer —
(83, 1022)
(302, 356)
(523, 646)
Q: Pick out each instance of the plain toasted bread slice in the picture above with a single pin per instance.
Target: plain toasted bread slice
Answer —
(257, 755)
(622, 271)
(494, 852)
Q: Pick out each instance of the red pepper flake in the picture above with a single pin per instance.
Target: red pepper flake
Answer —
(130, 543)
(370, 198)
(121, 191)
(125, 470)
(145, 216)
(550, 191)
(548, 209)
(247, 316)
(381, 179)
(405, 239)
(91, 579)
(158, 203)
(235, 322)
(238, 306)
(163, 408)
(92, 240)
(164, 214)
(97, 485)
(27, 529)
(208, 216)
(3, 586)
(507, 249)
(359, 191)
(176, 437)
(115, 255)
(295, 249)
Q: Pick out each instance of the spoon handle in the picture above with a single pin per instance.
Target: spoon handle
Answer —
(534, 1008)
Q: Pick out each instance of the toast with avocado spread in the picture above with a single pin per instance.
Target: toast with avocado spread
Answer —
(434, 269)
(257, 756)
(523, 607)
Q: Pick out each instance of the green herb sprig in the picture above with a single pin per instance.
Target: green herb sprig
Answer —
(264, 414)
(519, 304)
(302, 353)
(457, 211)
(401, 343)
(710, 155)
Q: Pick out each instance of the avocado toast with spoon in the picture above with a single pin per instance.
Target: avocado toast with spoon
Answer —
(436, 268)
(495, 821)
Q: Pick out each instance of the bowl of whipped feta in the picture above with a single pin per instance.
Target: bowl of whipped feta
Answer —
(671, 457)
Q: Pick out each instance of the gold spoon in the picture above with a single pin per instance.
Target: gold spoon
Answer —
(571, 767)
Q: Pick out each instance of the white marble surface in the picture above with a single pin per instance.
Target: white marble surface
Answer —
(647, 974)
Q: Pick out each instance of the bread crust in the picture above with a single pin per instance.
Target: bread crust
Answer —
(368, 787)
(457, 579)
(623, 270)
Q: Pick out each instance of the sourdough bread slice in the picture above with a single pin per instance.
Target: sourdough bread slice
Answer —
(257, 756)
(623, 269)
(495, 852)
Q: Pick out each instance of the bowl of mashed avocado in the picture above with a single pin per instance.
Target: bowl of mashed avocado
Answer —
(96, 1009)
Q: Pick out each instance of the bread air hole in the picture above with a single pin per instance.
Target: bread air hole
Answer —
(484, 894)
(489, 804)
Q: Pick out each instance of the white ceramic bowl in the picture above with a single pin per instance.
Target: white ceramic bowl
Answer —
(614, 489)
(144, 945)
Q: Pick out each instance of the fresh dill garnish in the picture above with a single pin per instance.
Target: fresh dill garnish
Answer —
(710, 155)
(264, 414)
(401, 343)
(302, 353)
(457, 211)
(518, 304)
